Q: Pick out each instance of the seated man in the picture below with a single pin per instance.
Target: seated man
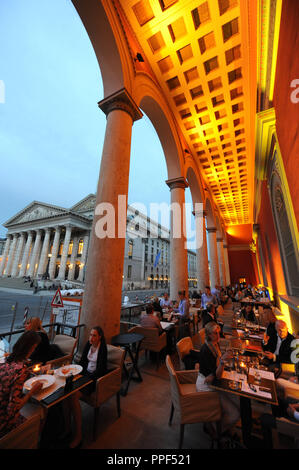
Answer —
(165, 302)
(277, 347)
(210, 314)
(150, 320)
(208, 298)
(248, 313)
(157, 307)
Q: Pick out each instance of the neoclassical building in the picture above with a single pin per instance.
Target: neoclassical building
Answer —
(43, 239)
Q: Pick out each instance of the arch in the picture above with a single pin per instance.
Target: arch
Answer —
(211, 222)
(148, 97)
(194, 182)
(106, 43)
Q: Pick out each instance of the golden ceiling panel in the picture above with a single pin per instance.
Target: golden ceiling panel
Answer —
(201, 54)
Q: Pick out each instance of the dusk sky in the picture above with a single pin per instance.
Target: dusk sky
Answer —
(51, 129)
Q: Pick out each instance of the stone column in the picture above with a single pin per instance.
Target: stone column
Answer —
(5, 254)
(44, 254)
(64, 256)
(34, 257)
(103, 277)
(142, 277)
(226, 263)
(221, 261)
(214, 266)
(202, 261)
(24, 261)
(11, 255)
(55, 248)
(73, 259)
(178, 242)
(20, 246)
(83, 258)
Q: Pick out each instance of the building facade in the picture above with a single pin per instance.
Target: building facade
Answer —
(46, 241)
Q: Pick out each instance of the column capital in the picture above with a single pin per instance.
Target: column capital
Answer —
(179, 182)
(212, 230)
(225, 245)
(57, 227)
(219, 239)
(202, 213)
(121, 100)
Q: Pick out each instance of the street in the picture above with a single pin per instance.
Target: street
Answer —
(40, 305)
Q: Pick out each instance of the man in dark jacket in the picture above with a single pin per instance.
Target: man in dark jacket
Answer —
(277, 346)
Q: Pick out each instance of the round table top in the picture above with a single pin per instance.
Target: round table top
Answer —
(127, 338)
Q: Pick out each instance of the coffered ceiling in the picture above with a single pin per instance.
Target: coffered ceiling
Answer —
(203, 55)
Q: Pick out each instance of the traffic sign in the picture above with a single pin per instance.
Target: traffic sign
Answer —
(57, 299)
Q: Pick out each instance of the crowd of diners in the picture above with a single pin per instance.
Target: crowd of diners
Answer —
(33, 347)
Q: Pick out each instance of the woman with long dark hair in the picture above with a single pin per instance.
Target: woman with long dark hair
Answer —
(13, 373)
(94, 363)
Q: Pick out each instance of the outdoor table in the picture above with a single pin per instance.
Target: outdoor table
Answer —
(56, 393)
(129, 306)
(131, 343)
(265, 392)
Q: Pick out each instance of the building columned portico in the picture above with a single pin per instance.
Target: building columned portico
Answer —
(48, 241)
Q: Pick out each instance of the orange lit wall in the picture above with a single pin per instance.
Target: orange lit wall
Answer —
(273, 265)
(287, 113)
(242, 262)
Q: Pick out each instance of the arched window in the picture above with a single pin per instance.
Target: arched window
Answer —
(288, 251)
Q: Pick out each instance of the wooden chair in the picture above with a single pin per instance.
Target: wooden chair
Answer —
(152, 341)
(183, 348)
(108, 385)
(25, 436)
(192, 406)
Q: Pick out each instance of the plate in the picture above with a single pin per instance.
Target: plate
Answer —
(66, 371)
(47, 381)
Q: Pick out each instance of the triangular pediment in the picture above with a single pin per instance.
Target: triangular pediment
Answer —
(35, 211)
(85, 205)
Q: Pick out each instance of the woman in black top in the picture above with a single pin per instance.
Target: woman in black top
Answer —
(211, 363)
(94, 356)
(94, 363)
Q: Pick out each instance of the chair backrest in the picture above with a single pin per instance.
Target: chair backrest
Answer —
(183, 346)
(174, 384)
(25, 436)
(66, 343)
(151, 336)
(202, 336)
(220, 310)
(115, 356)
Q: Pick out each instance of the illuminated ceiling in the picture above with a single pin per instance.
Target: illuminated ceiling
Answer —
(203, 55)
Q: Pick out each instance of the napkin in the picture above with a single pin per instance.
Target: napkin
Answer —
(247, 389)
(265, 374)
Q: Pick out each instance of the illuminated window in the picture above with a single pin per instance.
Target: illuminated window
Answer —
(80, 247)
(130, 250)
(60, 249)
(70, 248)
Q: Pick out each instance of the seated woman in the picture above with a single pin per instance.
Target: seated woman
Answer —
(13, 373)
(211, 363)
(94, 363)
(45, 351)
